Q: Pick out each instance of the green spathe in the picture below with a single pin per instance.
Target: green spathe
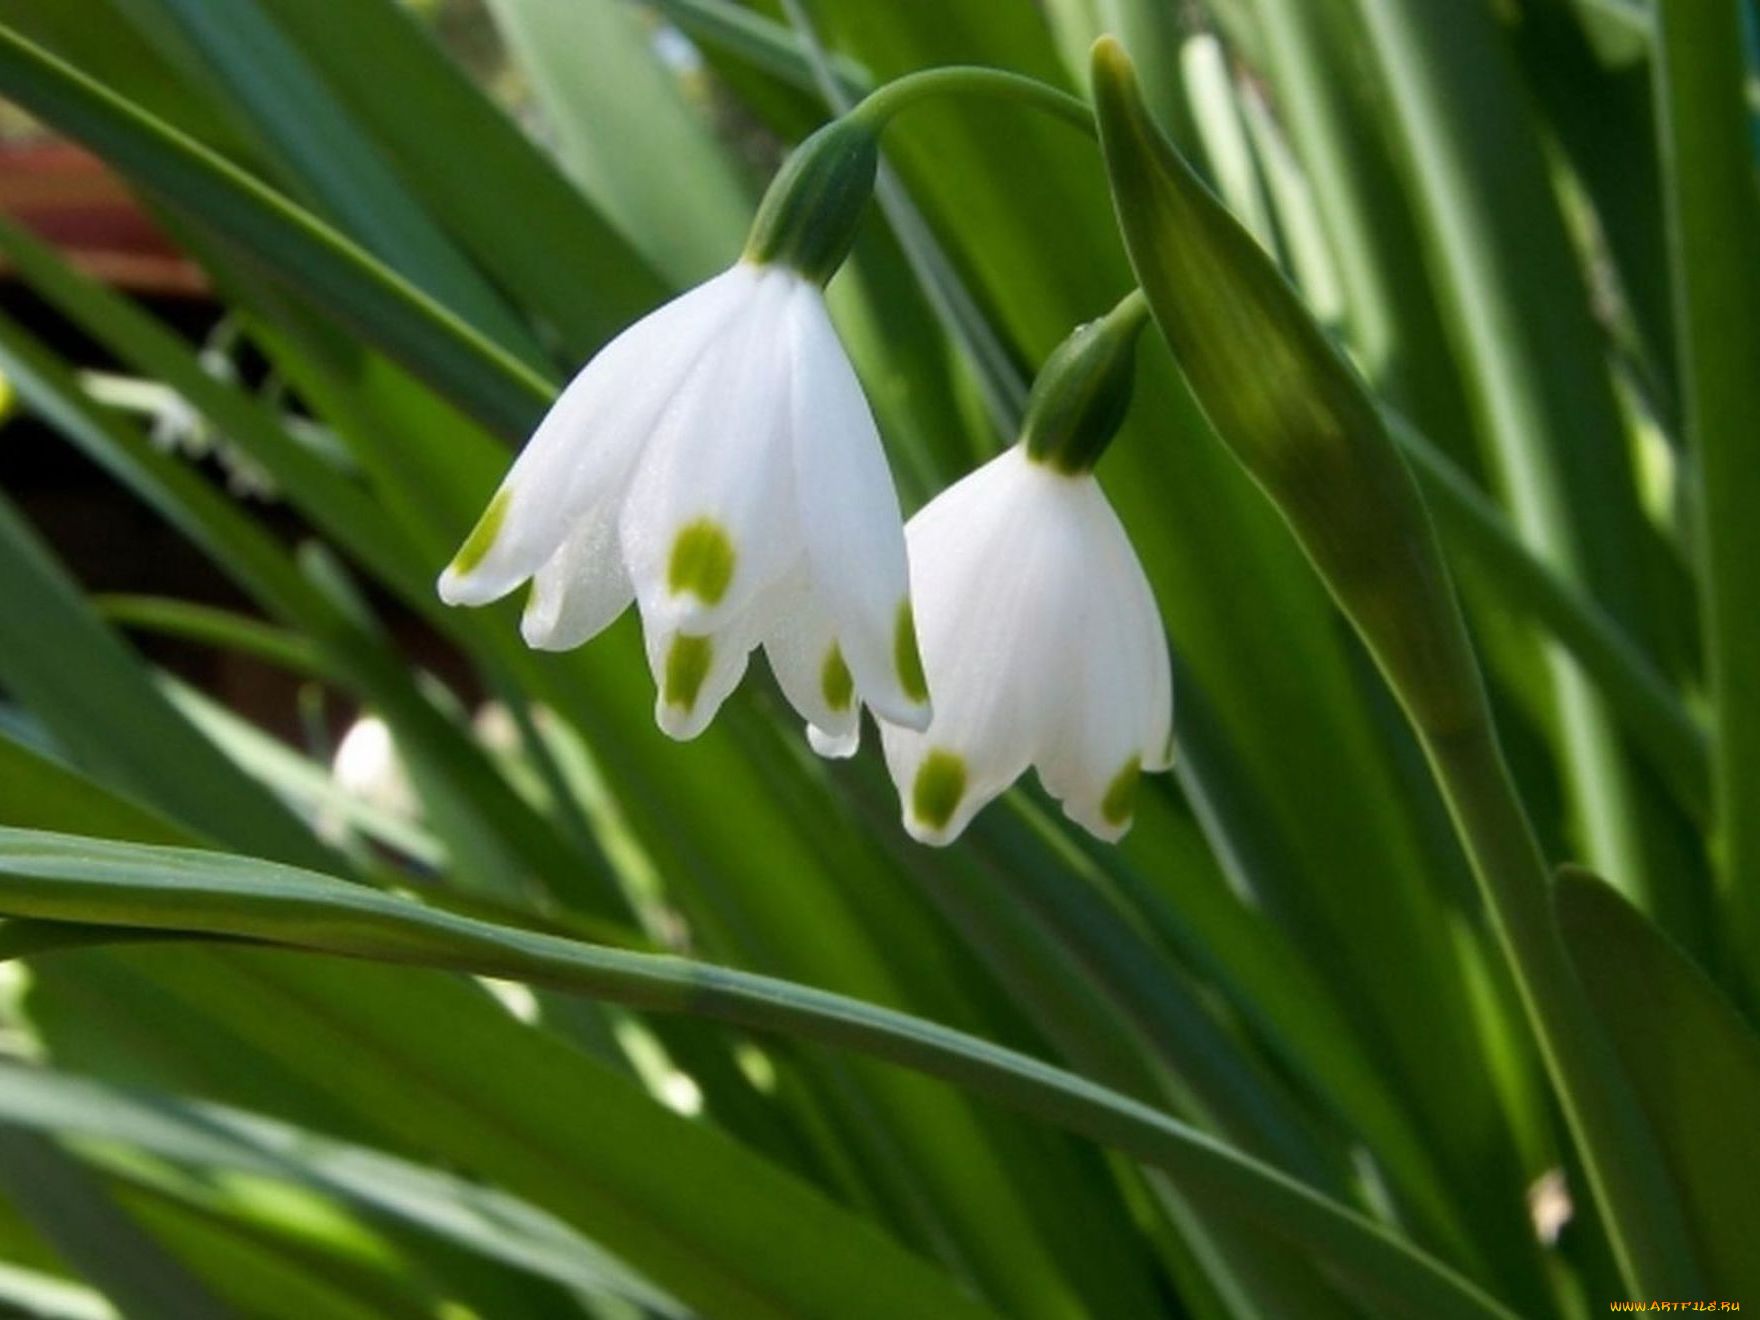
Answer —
(809, 217)
(1083, 391)
(1287, 404)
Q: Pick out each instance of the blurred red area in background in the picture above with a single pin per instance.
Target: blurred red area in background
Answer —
(67, 196)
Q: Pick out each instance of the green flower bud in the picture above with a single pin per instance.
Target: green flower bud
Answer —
(1289, 406)
(809, 217)
(1084, 390)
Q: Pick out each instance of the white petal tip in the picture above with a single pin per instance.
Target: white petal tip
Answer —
(676, 723)
(455, 589)
(540, 634)
(929, 834)
(834, 746)
(913, 715)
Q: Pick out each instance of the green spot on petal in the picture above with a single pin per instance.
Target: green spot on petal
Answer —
(1121, 794)
(702, 561)
(905, 656)
(835, 682)
(940, 784)
(483, 535)
(687, 665)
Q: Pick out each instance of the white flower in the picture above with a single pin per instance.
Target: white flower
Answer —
(716, 463)
(1043, 645)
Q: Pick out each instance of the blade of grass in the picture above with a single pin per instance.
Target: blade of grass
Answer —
(73, 879)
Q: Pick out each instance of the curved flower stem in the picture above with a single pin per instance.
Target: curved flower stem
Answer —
(877, 108)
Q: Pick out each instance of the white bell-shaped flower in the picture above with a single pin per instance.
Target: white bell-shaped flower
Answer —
(1043, 645)
(716, 463)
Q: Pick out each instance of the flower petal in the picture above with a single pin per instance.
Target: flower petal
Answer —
(581, 589)
(983, 556)
(1117, 698)
(709, 519)
(809, 666)
(587, 442)
(850, 522)
(695, 672)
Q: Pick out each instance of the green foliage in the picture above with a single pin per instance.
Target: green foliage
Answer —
(575, 1021)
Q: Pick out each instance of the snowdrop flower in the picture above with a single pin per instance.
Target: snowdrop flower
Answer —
(1040, 636)
(717, 464)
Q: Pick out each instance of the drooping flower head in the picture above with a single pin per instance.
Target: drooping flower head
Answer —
(1040, 635)
(717, 463)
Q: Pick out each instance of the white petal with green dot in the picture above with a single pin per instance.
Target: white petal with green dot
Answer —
(695, 672)
(1042, 645)
(808, 662)
(585, 447)
(850, 524)
(709, 518)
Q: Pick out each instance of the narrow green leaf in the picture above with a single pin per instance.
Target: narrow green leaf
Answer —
(312, 258)
(45, 1297)
(1694, 1062)
(216, 627)
(555, 253)
(72, 879)
(333, 503)
(60, 660)
(46, 795)
(625, 133)
(1297, 417)
(71, 1207)
(266, 79)
(1520, 315)
(1714, 248)
(218, 1140)
(761, 42)
(432, 1068)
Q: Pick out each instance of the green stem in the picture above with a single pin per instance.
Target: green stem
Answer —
(1475, 530)
(1605, 1122)
(877, 108)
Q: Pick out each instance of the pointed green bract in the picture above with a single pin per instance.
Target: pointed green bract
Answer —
(906, 658)
(702, 561)
(1287, 404)
(482, 537)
